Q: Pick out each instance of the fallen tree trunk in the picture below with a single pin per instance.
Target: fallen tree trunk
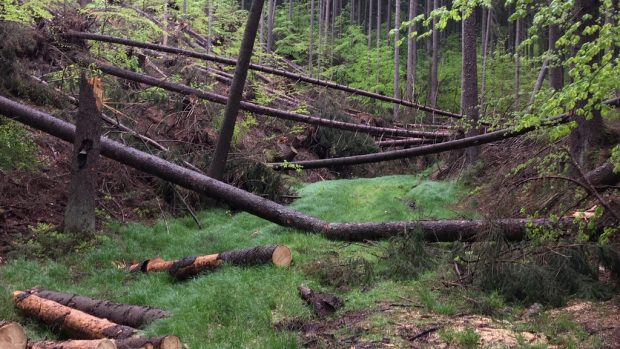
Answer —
(404, 142)
(74, 344)
(323, 304)
(429, 149)
(443, 230)
(262, 110)
(603, 175)
(162, 342)
(12, 336)
(184, 268)
(261, 68)
(73, 322)
(123, 314)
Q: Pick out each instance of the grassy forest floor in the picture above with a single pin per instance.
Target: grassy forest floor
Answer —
(391, 294)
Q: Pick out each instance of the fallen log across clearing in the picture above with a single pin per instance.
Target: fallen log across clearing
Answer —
(162, 342)
(123, 314)
(74, 344)
(440, 230)
(323, 304)
(12, 336)
(261, 68)
(73, 322)
(404, 142)
(456, 144)
(187, 267)
(259, 109)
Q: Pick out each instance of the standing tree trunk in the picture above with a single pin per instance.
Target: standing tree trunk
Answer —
(210, 27)
(319, 49)
(311, 38)
(556, 73)
(218, 163)
(270, 22)
(485, 53)
(396, 58)
(165, 24)
(378, 40)
(517, 62)
(411, 52)
(80, 212)
(290, 10)
(469, 82)
(389, 18)
(588, 132)
(434, 84)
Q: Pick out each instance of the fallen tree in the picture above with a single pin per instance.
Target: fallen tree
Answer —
(261, 68)
(259, 109)
(74, 344)
(442, 230)
(456, 144)
(12, 336)
(403, 142)
(123, 314)
(75, 323)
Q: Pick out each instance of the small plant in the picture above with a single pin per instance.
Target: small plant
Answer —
(338, 273)
(467, 338)
(17, 148)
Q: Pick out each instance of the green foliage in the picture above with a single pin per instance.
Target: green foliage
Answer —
(342, 274)
(23, 11)
(434, 302)
(17, 147)
(257, 178)
(408, 256)
(466, 338)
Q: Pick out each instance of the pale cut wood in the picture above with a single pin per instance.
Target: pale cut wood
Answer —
(74, 344)
(12, 336)
(74, 323)
(162, 342)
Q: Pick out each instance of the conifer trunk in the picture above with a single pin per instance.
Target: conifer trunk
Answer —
(411, 52)
(469, 82)
(396, 59)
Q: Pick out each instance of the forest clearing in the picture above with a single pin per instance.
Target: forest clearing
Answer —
(309, 174)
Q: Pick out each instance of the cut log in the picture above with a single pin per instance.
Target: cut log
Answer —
(260, 109)
(440, 230)
(12, 336)
(74, 323)
(323, 304)
(162, 342)
(264, 69)
(187, 267)
(123, 314)
(73, 344)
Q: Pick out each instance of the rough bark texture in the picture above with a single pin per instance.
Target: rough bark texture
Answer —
(12, 336)
(162, 342)
(323, 304)
(411, 52)
(434, 84)
(556, 73)
(80, 212)
(603, 175)
(270, 23)
(74, 323)
(261, 68)
(220, 155)
(73, 344)
(189, 267)
(396, 57)
(469, 82)
(124, 314)
(445, 230)
(279, 255)
(259, 109)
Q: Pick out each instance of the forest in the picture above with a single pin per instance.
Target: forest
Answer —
(309, 174)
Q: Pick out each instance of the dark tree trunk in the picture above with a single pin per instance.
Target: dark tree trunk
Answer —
(411, 52)
(556, 73)
(434, 83)
(517, 62)
(323, 304)
(270, 23)
(124, 314)
(80, 212)
(469, 82)
(396, 58)
(218, 163)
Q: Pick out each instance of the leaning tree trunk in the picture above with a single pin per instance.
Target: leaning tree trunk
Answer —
(123, 314)
(74, 344)
(73, 322)
(443, 230)
(218, 163)
(161, 342)
(469, 82)
(79, 217)
(12, 336)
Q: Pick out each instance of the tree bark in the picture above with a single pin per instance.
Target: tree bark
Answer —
(290, 10)
(270, 23)
(79, 217)
(218, 163)
(396, 58)
(210, 27)
(404, 142)
(189, 267)
(123, 314)
(603, 176)
(12, 336)
(485, 53)
(323, 304)
(261, 68)
(263, 110)
(311, 43)
(161, 342)
(411, 52)
(517, 62)
(74, 344)
(443, 230)
(73, 322)
(539, 81)
(469, 82)
(378, 33)
(434, 84)
(556, 73)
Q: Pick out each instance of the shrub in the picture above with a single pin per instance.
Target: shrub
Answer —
(17, 148)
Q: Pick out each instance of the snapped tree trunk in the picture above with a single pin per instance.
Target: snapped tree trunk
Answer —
(79, 217)
(12, 336)
(74, 344)
(442, 230)
(123, 314)
(469, 82)
(161, 342)
(73, 322)
(218, 162)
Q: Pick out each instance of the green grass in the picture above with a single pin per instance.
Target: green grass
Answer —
(234, 307)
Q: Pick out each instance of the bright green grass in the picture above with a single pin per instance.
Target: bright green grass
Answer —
(233, 307)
